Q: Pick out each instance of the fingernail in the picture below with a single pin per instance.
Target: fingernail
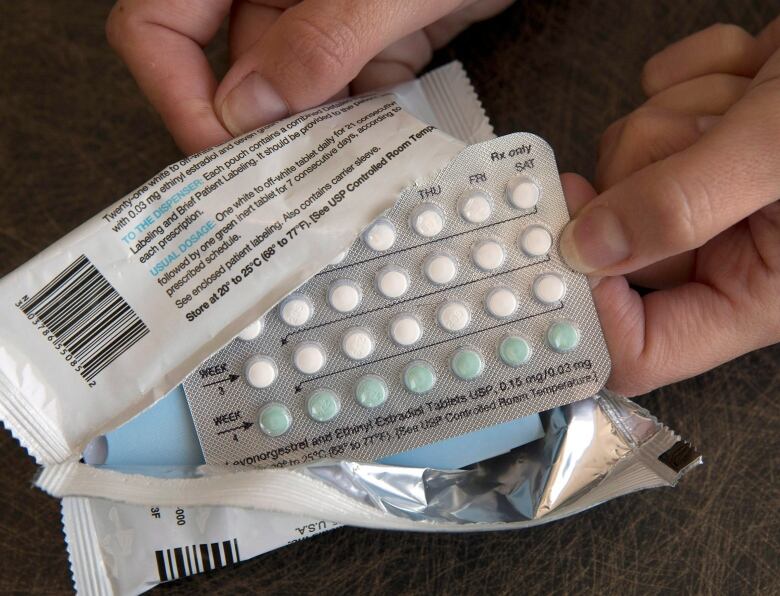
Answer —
(251, 104)
(704, 123)
(594, 240)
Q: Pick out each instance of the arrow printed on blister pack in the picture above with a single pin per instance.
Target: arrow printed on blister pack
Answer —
(229, 379)
(243, 426)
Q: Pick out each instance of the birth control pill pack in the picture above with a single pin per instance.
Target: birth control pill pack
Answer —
(451, 313)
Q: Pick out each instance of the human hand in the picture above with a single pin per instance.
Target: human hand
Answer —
(690, 184)
(286, 55)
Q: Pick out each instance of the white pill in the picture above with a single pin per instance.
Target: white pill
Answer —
(260, 371)
(392, 281)
(488, 255)
(535, 241)
(501, 302)
(549, 288)
(405, 329)
(522, 192)
(339, 257)
(475, 206)
(296, 310)
(309, 357)
(440, 268)
(357, 343)
(427, 220)
(453, 316)
(252, 331)
(344, 295)
(380, 236)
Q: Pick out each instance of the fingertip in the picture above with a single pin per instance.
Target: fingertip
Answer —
(577, 191)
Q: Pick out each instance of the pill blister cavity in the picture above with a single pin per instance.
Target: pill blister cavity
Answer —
(405, 329)
(535, 241)
(392, 281)
(514, 350)
(252, 331)
(380, 235)
(549, 288)
(339, 257)
(488, 254)
(357, 343)
(323, 405)
(453, 316)
(475, 206)
(467, 364)
(522, 192)
(501, 302)
(563, 336)
(440, 268)
(427, 220)
(344, 295)
(274, 419)
(309, 357)
(261, 371)
(296, 310)
(419, 377)
(371, 391)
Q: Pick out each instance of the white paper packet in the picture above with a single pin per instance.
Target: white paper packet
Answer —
(94, 324)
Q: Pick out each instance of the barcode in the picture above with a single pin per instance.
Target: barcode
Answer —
(173, 563)
(86, 318)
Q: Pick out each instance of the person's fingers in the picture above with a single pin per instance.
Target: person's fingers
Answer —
(769, 38)
(161, 43)
(718, 49)
(709, 94)
(679, 203)
(311, 51)
(447, 28)
(647, 135)
(577, 191)
(249, 21)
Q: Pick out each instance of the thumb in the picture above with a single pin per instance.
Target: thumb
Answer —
(313, 51)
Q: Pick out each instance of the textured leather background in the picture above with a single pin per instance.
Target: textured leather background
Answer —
(76, 135)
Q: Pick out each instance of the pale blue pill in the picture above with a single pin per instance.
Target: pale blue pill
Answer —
(467, 364)
(323, 405)
(419, 377)
(514, 350)
(371, 391)
(563, 336)
(274, 419)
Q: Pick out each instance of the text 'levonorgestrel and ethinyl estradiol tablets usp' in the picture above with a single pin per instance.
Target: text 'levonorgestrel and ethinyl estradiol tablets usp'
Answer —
(451, 313)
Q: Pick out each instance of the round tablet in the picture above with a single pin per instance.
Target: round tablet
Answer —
(323, 405)
(522, 192)
(405, 329)
(549, 288)
(488, 255)
(380, 235)
(344, 295)
(339, 257)
(563, 336)
(514, 350)
(252, 331)
(309, 357)
(296, 310)
(357, 343)
(475, 206)
(427, 220)
(371, 391)
(96, 451)
(260, 371)
(501, 302)
(274, 419)
(466, 364)
(453, 316)
(535, 241)
(419, 376)
(392, 281)
(440, 268)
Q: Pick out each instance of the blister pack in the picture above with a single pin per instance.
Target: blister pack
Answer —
(453, 312)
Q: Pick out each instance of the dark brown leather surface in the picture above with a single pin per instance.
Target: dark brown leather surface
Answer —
(75, 134)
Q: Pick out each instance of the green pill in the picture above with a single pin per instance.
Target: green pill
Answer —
(274, 419)
(371, 391)
(563, 336)
(466, 364)
(419, 377)
(514, 350)
(323, 405)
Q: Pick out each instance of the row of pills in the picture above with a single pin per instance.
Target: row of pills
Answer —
(474, 206)
(418, 376)
(309, 357)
